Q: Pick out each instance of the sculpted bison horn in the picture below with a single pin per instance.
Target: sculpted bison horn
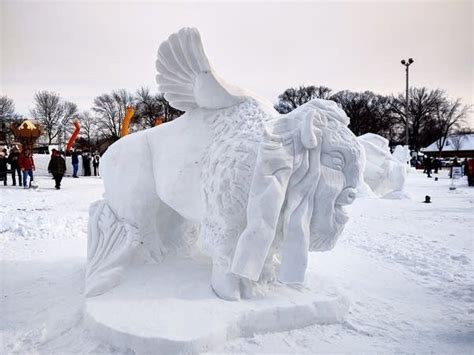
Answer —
(307, 131)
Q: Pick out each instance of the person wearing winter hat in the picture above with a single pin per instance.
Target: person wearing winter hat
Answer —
(57, 167)
(13, 160)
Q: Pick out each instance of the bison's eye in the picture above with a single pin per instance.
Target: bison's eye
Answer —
(334, 160)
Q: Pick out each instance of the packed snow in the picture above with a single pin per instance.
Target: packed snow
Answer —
(406, 267)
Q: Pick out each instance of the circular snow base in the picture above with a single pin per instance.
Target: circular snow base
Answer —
(170, 308)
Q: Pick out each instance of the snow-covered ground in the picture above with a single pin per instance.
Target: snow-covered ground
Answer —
(406, 266)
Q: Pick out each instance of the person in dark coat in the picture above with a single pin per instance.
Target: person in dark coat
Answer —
(3, 167)
(86, 163)
(75, 163)
(96, 162)
(428, 166)
(464, 167)
(436, 165)
(13, 160)
(57, 167)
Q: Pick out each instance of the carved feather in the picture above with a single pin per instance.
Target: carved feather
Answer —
(109, 247)
(187, 79)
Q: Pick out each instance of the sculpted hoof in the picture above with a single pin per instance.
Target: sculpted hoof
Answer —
(225, 284)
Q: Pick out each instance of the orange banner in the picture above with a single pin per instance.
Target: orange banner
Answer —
(77, 128)
(126, 121)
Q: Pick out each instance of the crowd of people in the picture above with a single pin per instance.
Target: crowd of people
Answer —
(430, 165)
(19, 163)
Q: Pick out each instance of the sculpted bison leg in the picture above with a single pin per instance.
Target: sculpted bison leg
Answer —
(218, 236)
(224, 283)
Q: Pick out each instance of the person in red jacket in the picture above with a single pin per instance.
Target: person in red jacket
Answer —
(27, 166)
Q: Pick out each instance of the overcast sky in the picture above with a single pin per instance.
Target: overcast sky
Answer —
(84, 49)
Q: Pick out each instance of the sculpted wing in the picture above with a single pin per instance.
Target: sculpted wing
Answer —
(187, 79)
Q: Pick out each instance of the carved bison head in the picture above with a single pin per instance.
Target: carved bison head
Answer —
(307, 169)
(340, 171)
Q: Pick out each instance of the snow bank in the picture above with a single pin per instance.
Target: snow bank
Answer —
(42, 161)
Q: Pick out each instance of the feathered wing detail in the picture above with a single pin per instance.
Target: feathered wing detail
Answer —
(187, 79)
(110, 246)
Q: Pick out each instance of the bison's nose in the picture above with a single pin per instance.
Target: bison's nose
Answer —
(346, 197)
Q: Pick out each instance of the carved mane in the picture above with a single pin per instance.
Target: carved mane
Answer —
(283, 186)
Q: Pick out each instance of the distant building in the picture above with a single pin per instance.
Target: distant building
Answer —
(6, 133)
(461, 146)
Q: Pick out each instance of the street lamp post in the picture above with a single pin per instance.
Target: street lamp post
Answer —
(406, 64)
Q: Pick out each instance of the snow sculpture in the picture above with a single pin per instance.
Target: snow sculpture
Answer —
(402, 155)
(251, 189)
(384, 173)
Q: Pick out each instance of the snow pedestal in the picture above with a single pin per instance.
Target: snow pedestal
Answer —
(159, 310)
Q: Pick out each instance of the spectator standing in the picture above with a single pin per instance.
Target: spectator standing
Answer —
(3, 167)
(57, 167)
(436, 165)
(13, 160)
(428, 166)
(96, 162)
(86, 163)
(27, 166)
(464, 167)
(75, 163)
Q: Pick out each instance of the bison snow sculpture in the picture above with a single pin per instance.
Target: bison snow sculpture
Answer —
(251, 189)
(384, 173)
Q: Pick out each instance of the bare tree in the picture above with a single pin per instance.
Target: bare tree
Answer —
(88, 128)
(422, 108)
(368, 112)
(295, 97)
(7, 108)
(149, 107)
(52, 112)
(169, 112)
(110, 110)
(457, 141)
(8, 117)
(449, 116)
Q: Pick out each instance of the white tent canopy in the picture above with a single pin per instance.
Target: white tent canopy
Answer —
(466, 144)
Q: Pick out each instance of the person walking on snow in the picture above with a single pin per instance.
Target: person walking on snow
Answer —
(57, 167)
(13, 159)
(27, 166)
(75, 163)
(428, 166)
(95, 163)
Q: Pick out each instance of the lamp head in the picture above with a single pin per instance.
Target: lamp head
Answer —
(410, 60)
(403, 62)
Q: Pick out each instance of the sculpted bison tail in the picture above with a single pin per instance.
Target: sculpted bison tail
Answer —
(186, 77)
(110, 245)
